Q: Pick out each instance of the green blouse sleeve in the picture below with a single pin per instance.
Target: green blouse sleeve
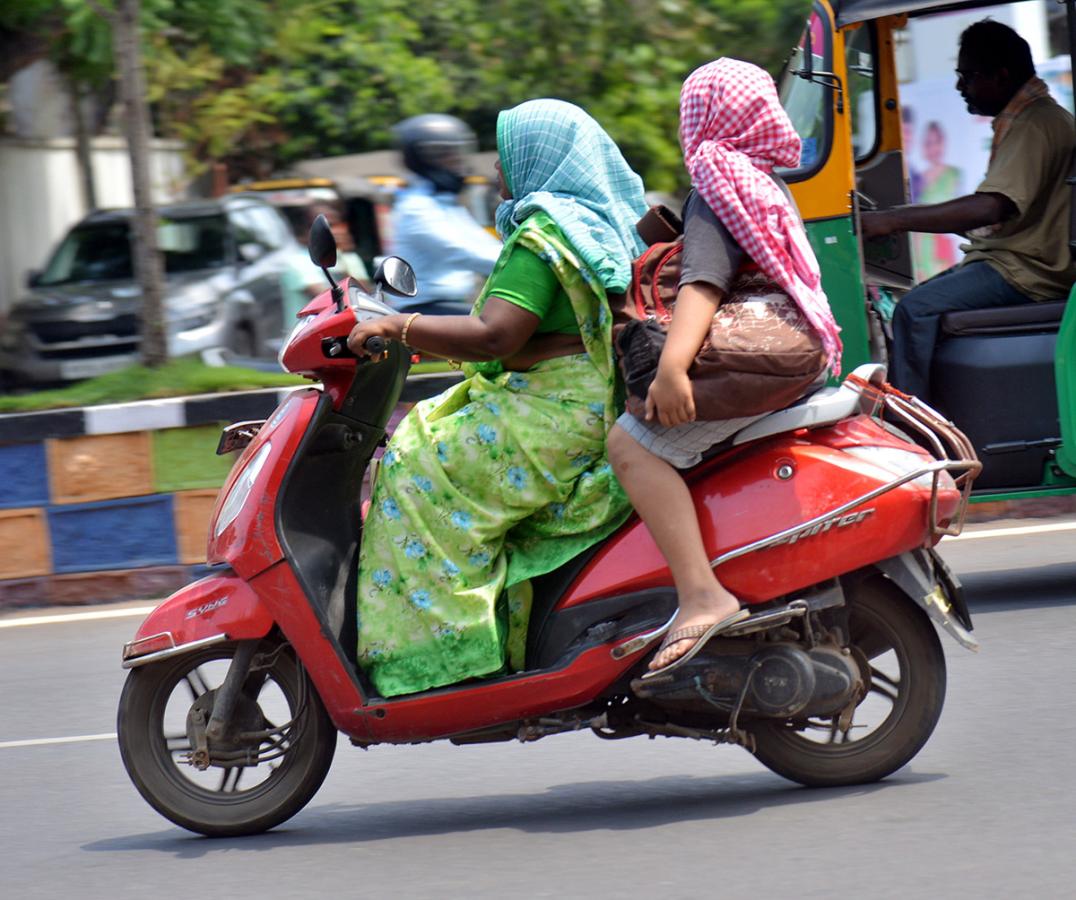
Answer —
(528, 282)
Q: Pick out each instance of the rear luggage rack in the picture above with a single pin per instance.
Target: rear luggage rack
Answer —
(952, 449)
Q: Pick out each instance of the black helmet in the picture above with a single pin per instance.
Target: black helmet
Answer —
(435, 146)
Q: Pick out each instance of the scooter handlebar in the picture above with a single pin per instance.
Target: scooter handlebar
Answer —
(336, 348)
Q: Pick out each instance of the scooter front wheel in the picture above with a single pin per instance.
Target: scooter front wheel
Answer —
(904, 672)
(269, 764)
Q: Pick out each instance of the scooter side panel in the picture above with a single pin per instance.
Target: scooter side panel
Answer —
(282, 595)
(249, 544)
(746, 497)
(219, 604)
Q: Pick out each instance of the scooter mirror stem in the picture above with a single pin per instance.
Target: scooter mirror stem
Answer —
(338, 293)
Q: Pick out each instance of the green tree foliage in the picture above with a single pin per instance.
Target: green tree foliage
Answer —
(274, 82)
(257, 84)
(69, 32)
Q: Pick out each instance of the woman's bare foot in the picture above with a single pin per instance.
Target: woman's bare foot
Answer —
(700, 610)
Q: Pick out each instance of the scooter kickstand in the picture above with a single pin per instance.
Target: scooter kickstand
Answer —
(641, 641)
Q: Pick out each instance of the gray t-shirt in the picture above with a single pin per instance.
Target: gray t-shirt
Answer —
(710, 253)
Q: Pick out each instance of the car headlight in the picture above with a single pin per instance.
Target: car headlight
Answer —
(900, 462)
(299, 328)
(240, 491)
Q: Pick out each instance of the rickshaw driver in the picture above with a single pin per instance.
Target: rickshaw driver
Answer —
(1016, 221)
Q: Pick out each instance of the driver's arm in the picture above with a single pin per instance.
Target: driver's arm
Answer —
(500, 331)
(957, 216)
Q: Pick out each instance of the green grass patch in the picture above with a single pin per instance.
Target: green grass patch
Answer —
(177, 378)
(186, 458)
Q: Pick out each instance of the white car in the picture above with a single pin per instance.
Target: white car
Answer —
(224, 261)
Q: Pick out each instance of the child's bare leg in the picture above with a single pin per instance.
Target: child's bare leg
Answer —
(662, 499)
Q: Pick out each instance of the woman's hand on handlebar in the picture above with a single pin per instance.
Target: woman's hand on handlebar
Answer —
(670, 399)
(386, 327)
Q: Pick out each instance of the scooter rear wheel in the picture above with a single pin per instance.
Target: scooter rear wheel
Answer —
(264, 774)
(896, 717)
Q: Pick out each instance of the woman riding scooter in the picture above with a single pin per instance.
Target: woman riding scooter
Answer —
(504, 476)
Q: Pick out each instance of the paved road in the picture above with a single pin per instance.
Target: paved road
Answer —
(986, 810)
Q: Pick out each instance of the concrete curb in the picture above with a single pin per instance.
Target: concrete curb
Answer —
(140, 415)
(1031, 508)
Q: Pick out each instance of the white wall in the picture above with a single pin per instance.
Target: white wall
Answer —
(931, 48)
(41, 196)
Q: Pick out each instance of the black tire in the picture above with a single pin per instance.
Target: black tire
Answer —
(152, 748)
(890, 631)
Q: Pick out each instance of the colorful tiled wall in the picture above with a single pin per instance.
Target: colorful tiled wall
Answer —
(108, 501)
(113, 502)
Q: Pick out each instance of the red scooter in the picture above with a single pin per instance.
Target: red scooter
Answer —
(820, 517)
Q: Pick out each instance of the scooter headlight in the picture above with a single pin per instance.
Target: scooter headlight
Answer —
(299, 328)
(240, 491)
(901, 462)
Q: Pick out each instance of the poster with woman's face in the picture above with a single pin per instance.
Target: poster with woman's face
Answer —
(946, 150)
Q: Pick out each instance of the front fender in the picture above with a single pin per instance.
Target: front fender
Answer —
(209, 611)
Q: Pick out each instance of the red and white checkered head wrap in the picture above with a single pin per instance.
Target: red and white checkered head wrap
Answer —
(733, 131)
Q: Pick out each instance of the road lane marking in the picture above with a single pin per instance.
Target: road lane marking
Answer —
(74, 739)
(1013, 532)
(77, 617)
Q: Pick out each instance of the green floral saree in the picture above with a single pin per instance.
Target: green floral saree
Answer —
(499, 479)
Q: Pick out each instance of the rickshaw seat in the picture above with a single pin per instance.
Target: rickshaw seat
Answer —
(1023, 319)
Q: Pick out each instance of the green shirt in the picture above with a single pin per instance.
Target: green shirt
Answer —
(528, 282)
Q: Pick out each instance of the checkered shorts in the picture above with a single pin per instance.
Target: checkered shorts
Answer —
(684, 445)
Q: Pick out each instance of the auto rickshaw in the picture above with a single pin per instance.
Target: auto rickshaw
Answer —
(1006, 377)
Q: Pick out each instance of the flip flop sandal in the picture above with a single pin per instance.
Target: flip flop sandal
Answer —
(703, 632)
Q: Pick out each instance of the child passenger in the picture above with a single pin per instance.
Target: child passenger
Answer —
(733, 131)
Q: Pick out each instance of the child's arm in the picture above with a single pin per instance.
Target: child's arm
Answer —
(669, 397)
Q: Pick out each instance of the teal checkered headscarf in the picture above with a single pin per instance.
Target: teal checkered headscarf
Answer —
(556, 158)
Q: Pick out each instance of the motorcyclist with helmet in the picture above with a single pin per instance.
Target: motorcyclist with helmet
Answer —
(432, 230)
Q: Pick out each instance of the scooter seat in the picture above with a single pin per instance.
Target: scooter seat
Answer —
(824, 407)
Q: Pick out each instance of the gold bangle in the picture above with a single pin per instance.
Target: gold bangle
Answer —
(403, 334)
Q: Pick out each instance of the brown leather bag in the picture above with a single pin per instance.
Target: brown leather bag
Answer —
(761, 354)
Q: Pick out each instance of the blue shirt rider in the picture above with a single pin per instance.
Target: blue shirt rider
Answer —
(431, 229)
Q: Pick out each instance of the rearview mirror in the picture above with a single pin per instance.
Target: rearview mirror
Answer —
(322, 244)
(397, 277)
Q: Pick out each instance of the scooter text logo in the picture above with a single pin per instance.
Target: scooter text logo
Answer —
(822, 527)
(206, 607)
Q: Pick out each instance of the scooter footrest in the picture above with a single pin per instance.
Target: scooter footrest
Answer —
(772, 618)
